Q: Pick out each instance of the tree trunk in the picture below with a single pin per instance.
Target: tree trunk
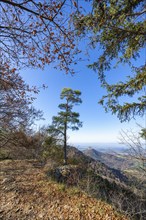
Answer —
(65, 143)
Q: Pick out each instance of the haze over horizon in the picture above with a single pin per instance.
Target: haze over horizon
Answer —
(98, 126)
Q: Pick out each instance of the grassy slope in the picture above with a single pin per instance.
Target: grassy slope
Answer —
(27, 193)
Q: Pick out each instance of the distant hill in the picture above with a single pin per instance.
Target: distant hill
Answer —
(123, 166)
(101, 168)
(116, 161)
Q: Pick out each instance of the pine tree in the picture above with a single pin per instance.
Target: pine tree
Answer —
(118, 28)
(66, 118)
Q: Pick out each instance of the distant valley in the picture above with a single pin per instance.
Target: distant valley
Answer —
(112, 158)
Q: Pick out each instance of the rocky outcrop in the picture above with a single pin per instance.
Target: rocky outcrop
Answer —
(68, 174)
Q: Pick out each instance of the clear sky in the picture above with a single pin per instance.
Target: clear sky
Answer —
(98, 126)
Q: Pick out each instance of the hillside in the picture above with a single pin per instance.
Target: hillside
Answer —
(27, 193)
(117, 161)
(33, 186)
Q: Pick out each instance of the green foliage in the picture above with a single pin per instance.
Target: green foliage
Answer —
(4, 154)
(143, 133)
(72, 96)
(118, 27)
(126, 111)
(74, 161)
(52, 150)
(66, 119)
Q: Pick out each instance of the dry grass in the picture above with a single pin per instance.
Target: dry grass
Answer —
(27, 193)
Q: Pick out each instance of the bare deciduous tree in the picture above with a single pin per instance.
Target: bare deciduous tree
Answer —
(136, 143)
(15, 100)
(34, 33)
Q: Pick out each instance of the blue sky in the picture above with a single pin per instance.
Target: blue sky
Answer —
(98, 126)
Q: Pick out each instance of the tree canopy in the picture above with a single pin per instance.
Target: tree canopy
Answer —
(35, 33)
(32, 34)
(118, 28)
(15, 101)
(66, 118)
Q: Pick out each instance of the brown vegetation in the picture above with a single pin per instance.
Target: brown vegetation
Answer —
(27, 193)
